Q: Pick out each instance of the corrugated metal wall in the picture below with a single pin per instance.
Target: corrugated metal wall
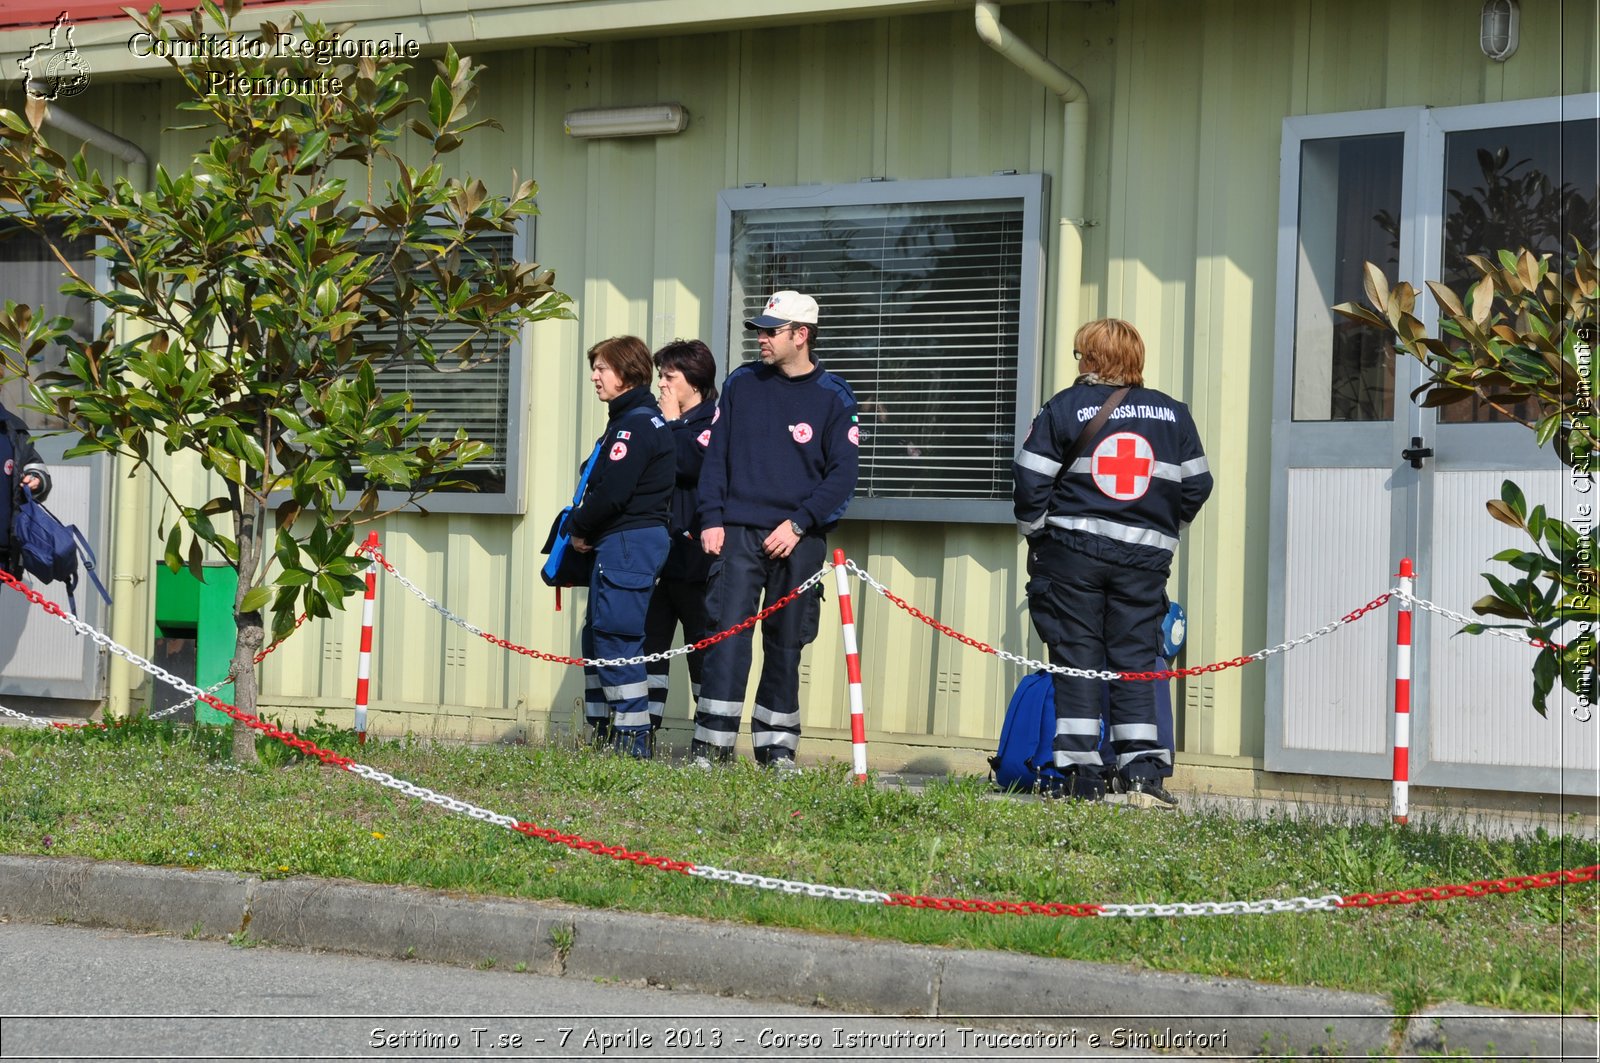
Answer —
(1186, 104)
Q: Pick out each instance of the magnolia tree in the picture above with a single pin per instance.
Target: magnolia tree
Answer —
(259, 296)
(1521, 339)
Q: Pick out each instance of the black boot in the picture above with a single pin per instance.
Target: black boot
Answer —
(634, 742)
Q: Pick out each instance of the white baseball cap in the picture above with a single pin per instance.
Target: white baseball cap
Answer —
(783, 308)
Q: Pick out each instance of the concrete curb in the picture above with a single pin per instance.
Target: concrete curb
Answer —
(1127, 1008)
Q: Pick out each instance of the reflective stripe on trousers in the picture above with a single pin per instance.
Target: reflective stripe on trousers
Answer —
(743, 580)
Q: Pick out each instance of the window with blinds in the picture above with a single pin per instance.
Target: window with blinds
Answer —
(929, 310)
(477, 399)
(30, 274)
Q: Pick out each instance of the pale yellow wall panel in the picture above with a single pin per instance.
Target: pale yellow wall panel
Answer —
(689, 172)
(897, 653)
(410, 664)
(985, 585)
(1339, 71)
(487, 151)
(996, 111)
(767, 148)
(1242, 105)
(1084, 38)
(825, 686)
(562, 423)
(1412, 68)
(1580, 49)
(922, 51)
(838, 82)
(1152, 206)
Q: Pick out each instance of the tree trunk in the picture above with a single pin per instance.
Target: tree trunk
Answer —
(248, 625)
(244, 682)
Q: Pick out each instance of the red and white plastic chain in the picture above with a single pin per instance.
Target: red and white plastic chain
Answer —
(225, 680)
(1090, 673)
(810, 889)
(1463, 619)
(159, 713)
(606, 662)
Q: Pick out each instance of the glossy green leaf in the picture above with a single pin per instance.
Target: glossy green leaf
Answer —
(256, 599)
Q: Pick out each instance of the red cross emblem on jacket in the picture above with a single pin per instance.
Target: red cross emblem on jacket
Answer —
(1121, 466)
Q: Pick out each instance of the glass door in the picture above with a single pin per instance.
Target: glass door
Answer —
(1343, 498)
(1498, 176)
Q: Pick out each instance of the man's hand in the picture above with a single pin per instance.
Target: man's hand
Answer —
(31, 481)
(711, 540)
(580, 544)
(781, 542)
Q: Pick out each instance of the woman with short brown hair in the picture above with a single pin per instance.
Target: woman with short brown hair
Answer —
(623, 519)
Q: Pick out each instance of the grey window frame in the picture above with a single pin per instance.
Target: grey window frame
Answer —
(1032, 190)
(513, 500)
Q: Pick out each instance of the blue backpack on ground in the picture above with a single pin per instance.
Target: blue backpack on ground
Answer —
(51, 551)
(1026, 757)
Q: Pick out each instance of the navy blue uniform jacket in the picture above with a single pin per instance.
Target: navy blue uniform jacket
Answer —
(782, 448)
(1132, 490)
(633, 476)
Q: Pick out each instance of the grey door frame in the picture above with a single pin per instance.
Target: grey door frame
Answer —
(1456, 447)
(1302, 444)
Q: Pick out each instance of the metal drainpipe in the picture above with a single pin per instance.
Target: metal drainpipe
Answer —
(129, 624)
(1072, 178)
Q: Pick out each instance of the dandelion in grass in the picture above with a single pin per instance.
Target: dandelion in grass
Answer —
(378, 834)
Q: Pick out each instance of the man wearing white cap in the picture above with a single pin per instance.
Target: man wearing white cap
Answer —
(779, 470)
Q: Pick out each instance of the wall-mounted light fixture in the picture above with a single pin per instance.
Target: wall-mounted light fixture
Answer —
(1499, 29)
(651, 120)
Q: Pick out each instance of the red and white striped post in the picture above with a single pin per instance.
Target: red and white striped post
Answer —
(364, 662)
(852, 665)
(1400, 806)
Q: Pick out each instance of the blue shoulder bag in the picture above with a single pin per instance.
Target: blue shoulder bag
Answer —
(51, 551)
(567, 567)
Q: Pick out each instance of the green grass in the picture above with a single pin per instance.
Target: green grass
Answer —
(164, 795)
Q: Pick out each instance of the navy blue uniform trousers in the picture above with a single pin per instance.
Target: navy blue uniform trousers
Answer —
(625, 567)
(675, 601)
(743, 579)
(1096, 615)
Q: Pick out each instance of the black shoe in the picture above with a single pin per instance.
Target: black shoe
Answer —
(1075, 787)
(1148, 793)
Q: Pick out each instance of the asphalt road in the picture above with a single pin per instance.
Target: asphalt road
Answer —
(107, 994)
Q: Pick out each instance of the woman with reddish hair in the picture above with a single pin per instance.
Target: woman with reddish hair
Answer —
(1109, 475)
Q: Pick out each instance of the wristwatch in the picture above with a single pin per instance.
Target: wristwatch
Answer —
(797, 529)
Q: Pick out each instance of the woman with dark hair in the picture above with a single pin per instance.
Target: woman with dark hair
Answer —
(623, 519)
(687, 375)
